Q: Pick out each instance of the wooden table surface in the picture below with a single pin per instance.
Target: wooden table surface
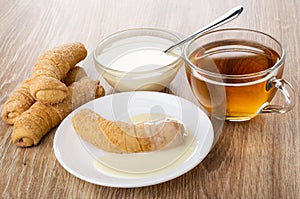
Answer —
(255, 159)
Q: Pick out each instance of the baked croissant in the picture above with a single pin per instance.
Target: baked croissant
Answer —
(21, 99)
(18, 102)
(51, 68)
(74, 75)
(40, 118)
(121, 137)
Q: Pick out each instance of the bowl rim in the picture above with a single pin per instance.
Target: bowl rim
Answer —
(169, 66)
(265, 72)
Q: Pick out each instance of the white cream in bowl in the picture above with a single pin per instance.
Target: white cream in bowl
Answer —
(134, 59)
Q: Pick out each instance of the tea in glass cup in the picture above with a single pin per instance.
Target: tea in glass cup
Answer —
(235, 73)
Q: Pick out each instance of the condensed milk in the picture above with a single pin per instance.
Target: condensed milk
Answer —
(135, 60)
(141, 164)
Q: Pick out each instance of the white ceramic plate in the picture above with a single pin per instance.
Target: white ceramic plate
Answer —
(75, 157)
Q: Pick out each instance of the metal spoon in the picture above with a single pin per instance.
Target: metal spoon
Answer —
(228, 16)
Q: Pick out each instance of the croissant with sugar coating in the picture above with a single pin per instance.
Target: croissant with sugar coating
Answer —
(21, 100)
(18, 102)
(51, 68)
(40, 118)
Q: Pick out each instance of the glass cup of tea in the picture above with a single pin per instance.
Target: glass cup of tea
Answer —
(235, 73)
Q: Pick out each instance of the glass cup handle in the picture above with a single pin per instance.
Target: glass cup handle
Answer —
(286, 90)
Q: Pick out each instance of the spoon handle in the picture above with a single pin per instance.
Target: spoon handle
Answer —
(225, 18)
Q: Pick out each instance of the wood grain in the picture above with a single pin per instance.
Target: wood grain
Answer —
(255, 159)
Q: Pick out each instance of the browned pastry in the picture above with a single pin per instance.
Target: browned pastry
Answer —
(40, 118)
(48, 90)
(83, 92)
(18, 102)
(74, 75)
(21, 99)
(121, 137)
(51, 68)
(45, 83)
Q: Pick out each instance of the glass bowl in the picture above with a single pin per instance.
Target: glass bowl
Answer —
(133, 59)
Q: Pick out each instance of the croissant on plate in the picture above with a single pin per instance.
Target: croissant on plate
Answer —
(122, 137)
